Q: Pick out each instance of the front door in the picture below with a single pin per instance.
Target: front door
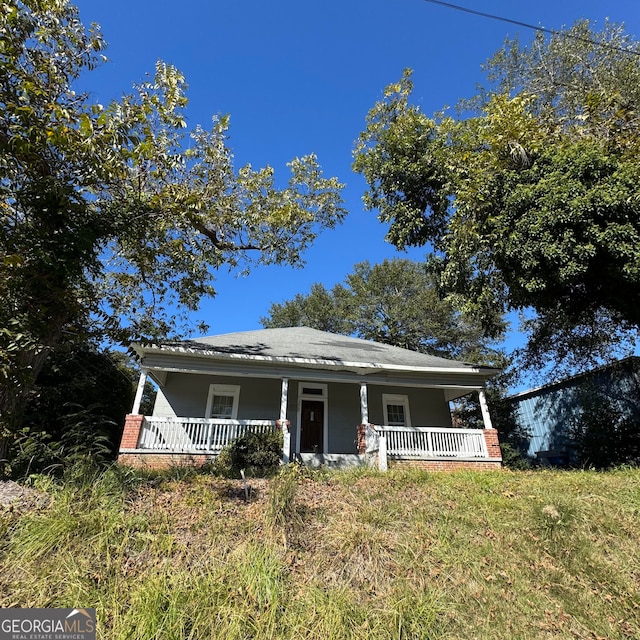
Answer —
(312, 426)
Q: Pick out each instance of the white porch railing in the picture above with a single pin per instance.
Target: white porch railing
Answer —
(200, 435)
(433, 442)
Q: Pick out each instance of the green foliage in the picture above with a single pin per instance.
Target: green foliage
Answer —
(114, 218)
(530, 202)
(395, 302)
(258, 454)
(76, 409)
(513, 457)
(83, 437)
(281, 512)
(319, 309)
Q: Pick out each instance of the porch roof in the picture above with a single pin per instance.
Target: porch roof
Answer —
(302, 347)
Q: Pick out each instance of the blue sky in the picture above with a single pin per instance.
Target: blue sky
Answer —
(299, 77)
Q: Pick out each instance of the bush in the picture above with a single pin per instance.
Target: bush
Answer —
(259, 454)
(513, 458)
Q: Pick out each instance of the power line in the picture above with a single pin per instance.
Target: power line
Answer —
(553, 32)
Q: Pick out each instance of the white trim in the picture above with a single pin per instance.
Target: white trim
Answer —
(223, 390)
(313, 375)
(284, 392)
(139, 392)
(396, 398)
(364, 403)
(286, 432)
(320, 386)
(484, 408)
(319, 397)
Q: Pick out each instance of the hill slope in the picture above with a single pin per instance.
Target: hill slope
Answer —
(366, 555)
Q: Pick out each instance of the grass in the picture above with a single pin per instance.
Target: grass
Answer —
(350, 555)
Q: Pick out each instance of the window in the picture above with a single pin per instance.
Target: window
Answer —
(396, 410)
(312, 391)
(319, 390)
(222, 401)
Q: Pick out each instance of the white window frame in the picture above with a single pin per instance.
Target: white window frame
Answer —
(223, 390)
(396, 398)
(318, 386)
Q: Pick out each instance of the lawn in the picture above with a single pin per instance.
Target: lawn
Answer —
(531, 554)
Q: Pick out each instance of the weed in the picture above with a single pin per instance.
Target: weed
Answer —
(280, 510)
(367, 556)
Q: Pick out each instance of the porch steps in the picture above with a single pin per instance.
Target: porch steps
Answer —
(335, 460)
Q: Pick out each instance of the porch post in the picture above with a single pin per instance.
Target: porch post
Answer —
(286, 434)
(382, 452)
(364, 404)
(139, 391)
(484, 407)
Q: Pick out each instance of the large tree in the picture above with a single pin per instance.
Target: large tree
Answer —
(113, 219)
(394, 302)
(397, 302)
(531, 200)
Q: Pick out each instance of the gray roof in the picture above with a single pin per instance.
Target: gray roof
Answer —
(304, 345)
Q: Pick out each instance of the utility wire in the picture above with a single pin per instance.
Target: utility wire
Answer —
(532, 26)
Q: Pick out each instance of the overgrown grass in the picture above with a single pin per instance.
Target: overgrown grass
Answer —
(335, 555)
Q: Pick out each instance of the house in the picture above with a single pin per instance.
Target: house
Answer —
(338, 401)
(556, 416)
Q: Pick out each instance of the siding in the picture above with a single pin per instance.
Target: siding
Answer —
(185, 394)
(549, 413)
(427, 407)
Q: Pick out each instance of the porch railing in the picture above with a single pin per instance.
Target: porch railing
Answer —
(196, 435)
(433, 442)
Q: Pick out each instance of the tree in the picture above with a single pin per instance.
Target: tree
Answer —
(75, 410)
(319, 309)
(531, 202)
(113, 220)
(395, 302)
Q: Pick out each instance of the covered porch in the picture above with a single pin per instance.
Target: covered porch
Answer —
(159, 441)
(337, 400)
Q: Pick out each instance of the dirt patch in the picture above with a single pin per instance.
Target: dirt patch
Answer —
(16, 496)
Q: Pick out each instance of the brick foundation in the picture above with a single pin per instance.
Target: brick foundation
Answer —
(447, 465)
(157, 460)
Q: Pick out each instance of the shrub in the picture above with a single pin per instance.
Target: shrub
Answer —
(513, 458)
(259, 454)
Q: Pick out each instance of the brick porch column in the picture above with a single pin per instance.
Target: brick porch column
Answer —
(493, 443)
(361, 438)
(131, 432)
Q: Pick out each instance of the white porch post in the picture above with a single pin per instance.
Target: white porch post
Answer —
(484, 407)
(139, 391)
(286, 434)
(382, 452)
(364, 404)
